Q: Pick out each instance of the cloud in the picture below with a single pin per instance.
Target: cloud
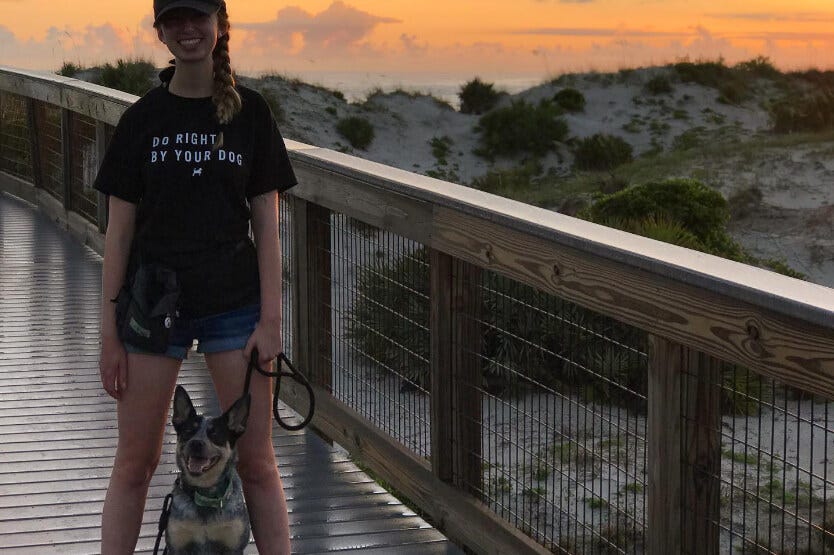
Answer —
(89, 45)
(595, 32)
(770, 17)
(338, 28)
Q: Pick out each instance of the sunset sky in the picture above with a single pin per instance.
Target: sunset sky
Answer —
(531, 37)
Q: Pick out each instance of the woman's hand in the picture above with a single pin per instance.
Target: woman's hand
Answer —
(267, 339)
(113, 366)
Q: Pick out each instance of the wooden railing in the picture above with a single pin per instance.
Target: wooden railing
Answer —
(697, 309)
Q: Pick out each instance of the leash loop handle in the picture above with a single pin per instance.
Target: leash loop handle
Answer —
(293, 374)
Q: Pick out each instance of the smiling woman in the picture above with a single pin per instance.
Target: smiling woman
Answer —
(192, 165)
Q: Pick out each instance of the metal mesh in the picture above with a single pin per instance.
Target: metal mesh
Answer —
(380, 335)
(561, 451)
(772, 466)
(51, 159)
(84, 198)
(15, 143)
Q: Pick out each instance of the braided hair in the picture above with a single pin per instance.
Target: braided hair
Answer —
(225, 98)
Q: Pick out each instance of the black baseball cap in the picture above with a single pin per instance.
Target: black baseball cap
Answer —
(161, 7)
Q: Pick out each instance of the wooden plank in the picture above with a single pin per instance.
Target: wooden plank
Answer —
(462, 517)
(377, 206)
(34, 150)
(66, 157)
(467, 337)
(663, 499)
(794, 352)
(313, 286)
(91, 100)
(101, 199)
(442, 364)
(702, 455)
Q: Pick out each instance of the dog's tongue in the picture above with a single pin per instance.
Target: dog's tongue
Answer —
(197, 465)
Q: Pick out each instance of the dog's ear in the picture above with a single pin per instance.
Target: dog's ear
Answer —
(237, 415)
(183, 408)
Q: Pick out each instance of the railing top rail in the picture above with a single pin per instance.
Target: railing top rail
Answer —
(802, 300)
(79, 96)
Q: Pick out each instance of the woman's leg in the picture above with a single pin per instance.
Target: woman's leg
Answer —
(142, 413)
(257, 466)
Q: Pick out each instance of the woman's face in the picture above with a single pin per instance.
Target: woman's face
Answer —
(189, 35)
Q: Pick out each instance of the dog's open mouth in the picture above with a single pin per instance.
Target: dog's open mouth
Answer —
(200, 465)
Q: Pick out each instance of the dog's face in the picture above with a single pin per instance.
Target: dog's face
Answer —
(206, 444)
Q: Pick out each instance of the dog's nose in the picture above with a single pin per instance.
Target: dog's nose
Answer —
(196, 448)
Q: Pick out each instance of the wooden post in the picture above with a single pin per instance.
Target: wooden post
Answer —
(34, 149)
(66, 151)
(101, 199)
(311, 306)
(663, 498)
(466, 384)
(442, 364)
(702, 455)
(683, 489)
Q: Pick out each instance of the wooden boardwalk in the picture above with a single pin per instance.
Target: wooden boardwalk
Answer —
(57, 426)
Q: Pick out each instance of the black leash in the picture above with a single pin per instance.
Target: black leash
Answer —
(292, 374)
(253, 365)
(163, 522)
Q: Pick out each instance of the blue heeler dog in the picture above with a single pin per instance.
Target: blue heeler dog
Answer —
(208, 514)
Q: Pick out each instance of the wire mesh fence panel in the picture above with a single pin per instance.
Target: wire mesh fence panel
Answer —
(380, 336)
(84, 166)
(285, 226)
(15, 141)
(51, 158)
(562, 418)
(775, 469)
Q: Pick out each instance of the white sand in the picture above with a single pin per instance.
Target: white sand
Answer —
(791, 223)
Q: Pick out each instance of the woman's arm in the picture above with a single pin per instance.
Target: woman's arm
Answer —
(267, 335)
(117, 241)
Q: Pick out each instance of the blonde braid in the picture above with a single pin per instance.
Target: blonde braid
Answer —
(225, 97)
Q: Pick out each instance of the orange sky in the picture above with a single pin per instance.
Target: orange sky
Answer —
(542, 37)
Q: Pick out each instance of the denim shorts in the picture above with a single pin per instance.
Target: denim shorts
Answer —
(228, 331)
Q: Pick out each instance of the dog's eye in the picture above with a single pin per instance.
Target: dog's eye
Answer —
(217, 434)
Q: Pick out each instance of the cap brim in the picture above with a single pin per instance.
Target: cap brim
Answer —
(204, 7)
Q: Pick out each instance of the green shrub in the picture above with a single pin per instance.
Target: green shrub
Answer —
(134, 76)
(521, 128)
(707, 74)
(390, 318)
(278, 112)
(733, 84)
(659, 84)
(699, 209)
(812, 112)
(507, 182)
(477, 97)
(570, 100)
(69, 69)
(602, 152)
(357, 130)
(760, 66)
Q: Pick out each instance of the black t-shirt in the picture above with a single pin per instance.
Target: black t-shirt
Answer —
(192, 195)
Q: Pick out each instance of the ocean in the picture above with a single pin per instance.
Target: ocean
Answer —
(356, 85)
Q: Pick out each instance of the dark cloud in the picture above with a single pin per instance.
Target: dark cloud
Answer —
(338, 27)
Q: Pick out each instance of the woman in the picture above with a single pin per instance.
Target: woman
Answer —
(190, 165)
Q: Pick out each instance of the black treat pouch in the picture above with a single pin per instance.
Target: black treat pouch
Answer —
(147, 309)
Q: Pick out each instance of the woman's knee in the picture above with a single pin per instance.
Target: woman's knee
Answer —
(257, 467)
(134, 469)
